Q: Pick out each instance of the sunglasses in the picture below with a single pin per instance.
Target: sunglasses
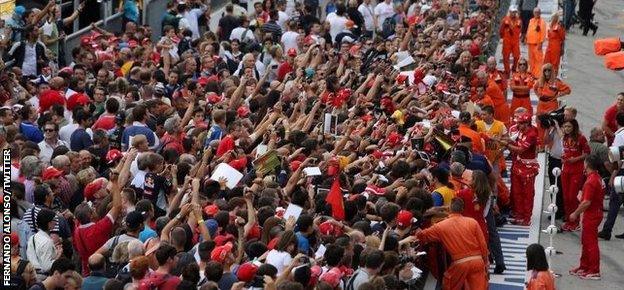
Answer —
(49, 130)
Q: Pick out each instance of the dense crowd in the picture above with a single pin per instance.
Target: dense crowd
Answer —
(361, 150)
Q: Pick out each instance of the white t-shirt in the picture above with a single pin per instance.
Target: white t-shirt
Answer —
(618, 140)
(29, 66)
(336, 25)
(282, 18)
(280, 260)
(383, 11)
(367, 13)
(237, 33)
(289, 40)
(66, 131)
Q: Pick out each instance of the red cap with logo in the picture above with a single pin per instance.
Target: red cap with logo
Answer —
(219, 253)
(50, 172)
(404, 218)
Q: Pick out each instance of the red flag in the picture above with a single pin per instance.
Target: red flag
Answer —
(334, 198)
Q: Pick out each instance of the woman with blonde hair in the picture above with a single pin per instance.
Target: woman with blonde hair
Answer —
(556, 40)
(548, 88)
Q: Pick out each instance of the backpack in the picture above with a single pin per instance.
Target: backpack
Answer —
(153, 281)
(112, 268)
(387, 27)
(245, 42)
(16, 278)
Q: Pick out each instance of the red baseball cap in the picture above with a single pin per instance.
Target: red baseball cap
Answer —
(221, 240)
(239, 164)
(203, 81)
(243, 111)
(329, 229)
(78, 99)
(219, 253)
(246, 272)
(92, 188)
(404, 218)
(50, 172)
(394, 139)
(524, 118)
(332, 277)
(211, 210)
(133, 43)
(113, 155)
(213, 98)
(294, 165)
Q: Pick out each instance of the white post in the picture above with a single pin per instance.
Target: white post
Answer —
(551, 230)
(77, 21)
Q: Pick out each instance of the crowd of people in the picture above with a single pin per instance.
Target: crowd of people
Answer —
(364, 147)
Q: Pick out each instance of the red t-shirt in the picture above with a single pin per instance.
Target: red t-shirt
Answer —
(226, 144)
(105, 122)
(574, 148)
(609, 117)
(282, 70)
(90, 238)
(593, 191)
(173, 143)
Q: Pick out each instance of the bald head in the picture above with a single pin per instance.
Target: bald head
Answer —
(60, 162)
(97, 262)
(56, 83)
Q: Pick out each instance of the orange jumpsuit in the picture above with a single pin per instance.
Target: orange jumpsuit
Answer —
(499, 78)
(501, 108)
(483, 102)
(542, 280)
(510, 31)
(475, 138)
(463, 239)
(556, 37)
(535, 36)
(521, 84)
(548, 94)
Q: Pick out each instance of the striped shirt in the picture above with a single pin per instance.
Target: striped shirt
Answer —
(273, 28)
(30, 218)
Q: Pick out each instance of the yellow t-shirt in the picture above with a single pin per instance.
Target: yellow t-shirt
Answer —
(447, 194)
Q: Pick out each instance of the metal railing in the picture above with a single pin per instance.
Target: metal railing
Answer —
(112, 23)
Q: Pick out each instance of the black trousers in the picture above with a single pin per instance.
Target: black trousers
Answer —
(526, 17)
(585, 14)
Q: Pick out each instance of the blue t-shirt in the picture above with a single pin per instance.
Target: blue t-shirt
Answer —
(302, 243)
(215, 133)
(147, 233)
(80, 140)
(138, 130)
(31, 132)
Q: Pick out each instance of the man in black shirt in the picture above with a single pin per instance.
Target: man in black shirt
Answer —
(227, 23)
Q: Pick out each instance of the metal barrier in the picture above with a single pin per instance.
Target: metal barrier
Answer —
(538, 199)
(113, 24)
